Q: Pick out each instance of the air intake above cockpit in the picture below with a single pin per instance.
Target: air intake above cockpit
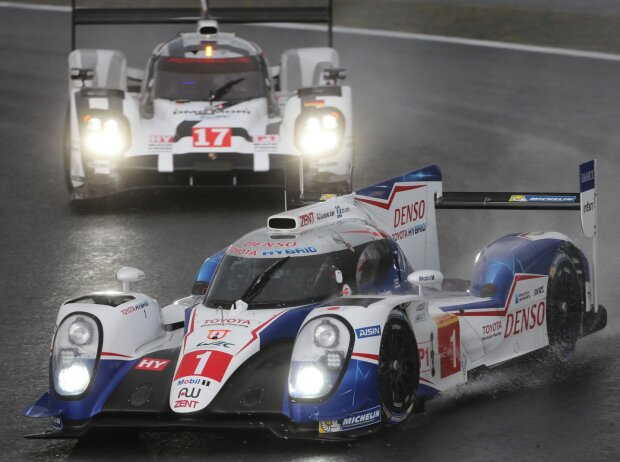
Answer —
(282, 223)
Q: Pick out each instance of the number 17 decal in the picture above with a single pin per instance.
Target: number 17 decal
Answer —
(449, 340)
(211, 137)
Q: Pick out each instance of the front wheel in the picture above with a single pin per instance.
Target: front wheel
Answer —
(564, 303)
(399, 369)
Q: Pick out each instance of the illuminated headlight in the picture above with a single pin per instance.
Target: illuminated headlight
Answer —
(103, 137)
(74, 354)
(73, 380)
(320, 134)
(319, 358)
(93, 124)
(310, 381)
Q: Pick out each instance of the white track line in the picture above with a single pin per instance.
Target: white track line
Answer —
(390, 34)
(452, 40)
(33, 6)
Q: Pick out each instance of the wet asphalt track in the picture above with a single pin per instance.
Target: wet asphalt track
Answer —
(492, 119)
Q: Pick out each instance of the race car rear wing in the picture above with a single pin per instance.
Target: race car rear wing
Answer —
(584, 201)
(509, 200)
(82, 16)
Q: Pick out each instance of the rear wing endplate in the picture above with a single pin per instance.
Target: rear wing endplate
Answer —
(81, 16)
(585, 201)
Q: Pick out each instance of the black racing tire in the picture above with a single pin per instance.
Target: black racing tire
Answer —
(66, 151)
(399, 369)
(564, 306)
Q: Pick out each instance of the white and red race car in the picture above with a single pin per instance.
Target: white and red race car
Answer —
(208, 110)
(330, 321)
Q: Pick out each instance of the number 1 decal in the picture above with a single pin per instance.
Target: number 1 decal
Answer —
(448, 338)
(204, 363)
(211, 137)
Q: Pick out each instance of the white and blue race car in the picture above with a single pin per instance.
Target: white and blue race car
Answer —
(328, 323)
(208, 110)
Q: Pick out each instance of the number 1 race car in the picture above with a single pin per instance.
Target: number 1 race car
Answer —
(328, 323)
(208, 110)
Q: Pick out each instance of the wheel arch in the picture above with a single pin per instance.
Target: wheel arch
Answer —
(533, 253)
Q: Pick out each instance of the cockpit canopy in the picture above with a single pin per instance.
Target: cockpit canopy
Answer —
(303, 279)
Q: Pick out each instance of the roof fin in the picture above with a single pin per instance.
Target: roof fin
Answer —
(204, 13)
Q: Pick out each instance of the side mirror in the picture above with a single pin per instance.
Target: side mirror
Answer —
(426, 278)
(127, 275)
(82, 75)
(333, 75)
(200, 288)
(239, 306)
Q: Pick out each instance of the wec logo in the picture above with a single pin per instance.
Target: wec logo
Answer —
(215, 344)
(587, 176)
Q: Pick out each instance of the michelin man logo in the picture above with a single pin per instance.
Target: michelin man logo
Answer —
(329, 426)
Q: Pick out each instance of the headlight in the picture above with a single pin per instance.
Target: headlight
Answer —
(326, 334)
(319, 358)
(320, 132)
(311, 380)
(103, 136)
(80, 332)
(73, 380)
(74, 354)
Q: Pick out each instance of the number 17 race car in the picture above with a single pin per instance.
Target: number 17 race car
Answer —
(328, 323)
(208, 110)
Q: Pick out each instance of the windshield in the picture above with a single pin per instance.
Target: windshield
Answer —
(215, 79)
(299, 280)
(296, 281)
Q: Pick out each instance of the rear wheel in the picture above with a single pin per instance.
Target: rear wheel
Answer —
(564, 306)
(399, 368)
